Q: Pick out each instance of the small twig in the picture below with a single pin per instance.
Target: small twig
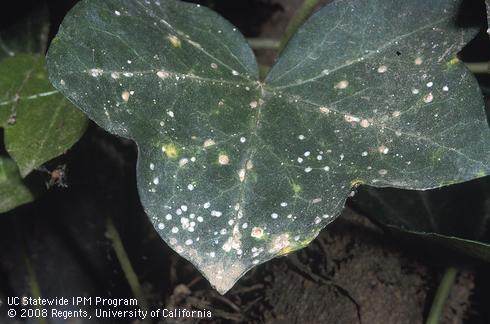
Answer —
(244, 290)
(194, 282)
(264, 43)
(309, 274)
(301, 15)
(228, 302)
(441, 296)
(33, 284)
(113, 235)
(479, 67)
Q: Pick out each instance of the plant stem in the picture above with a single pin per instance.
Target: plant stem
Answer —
(33, 283)
(125, 263)
(479, 67)
(264, 43)
(441, 296)
(303, 12)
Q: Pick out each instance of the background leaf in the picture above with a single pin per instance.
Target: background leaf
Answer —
(232, 171)
(39, 123)
(455, 216)
(13, 191)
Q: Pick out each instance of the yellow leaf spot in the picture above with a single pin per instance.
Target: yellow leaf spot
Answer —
(297, 188)
(174, 40)
(170, 150)
(454, 61)
(356, 183)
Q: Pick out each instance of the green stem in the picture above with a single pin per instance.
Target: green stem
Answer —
(125, 263)
(441, 296)
(33, 282)
(264, 43)
(303, 12)
(34, 285)
(479, 67)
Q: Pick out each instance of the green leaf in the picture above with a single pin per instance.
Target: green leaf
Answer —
(39, 123)
(455, 217)
(13, 192)
(233, 171)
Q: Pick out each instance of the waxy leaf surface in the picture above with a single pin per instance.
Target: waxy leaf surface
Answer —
(233, 171)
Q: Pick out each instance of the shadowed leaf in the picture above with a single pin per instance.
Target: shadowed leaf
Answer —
(39, 123)
(455, 217)
(13, 192)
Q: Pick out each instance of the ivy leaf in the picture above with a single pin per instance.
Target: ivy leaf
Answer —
(455, 217)
(39, 123)
(233, 171)
(13, 192)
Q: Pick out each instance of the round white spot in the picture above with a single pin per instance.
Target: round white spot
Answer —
(342, 85)
(125, 96)
(364, 123)
(382, 69)
(163, 74)
(216, 213)
(223, 159)
(429, 98)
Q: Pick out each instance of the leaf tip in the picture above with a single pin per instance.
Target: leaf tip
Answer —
(223, 276)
